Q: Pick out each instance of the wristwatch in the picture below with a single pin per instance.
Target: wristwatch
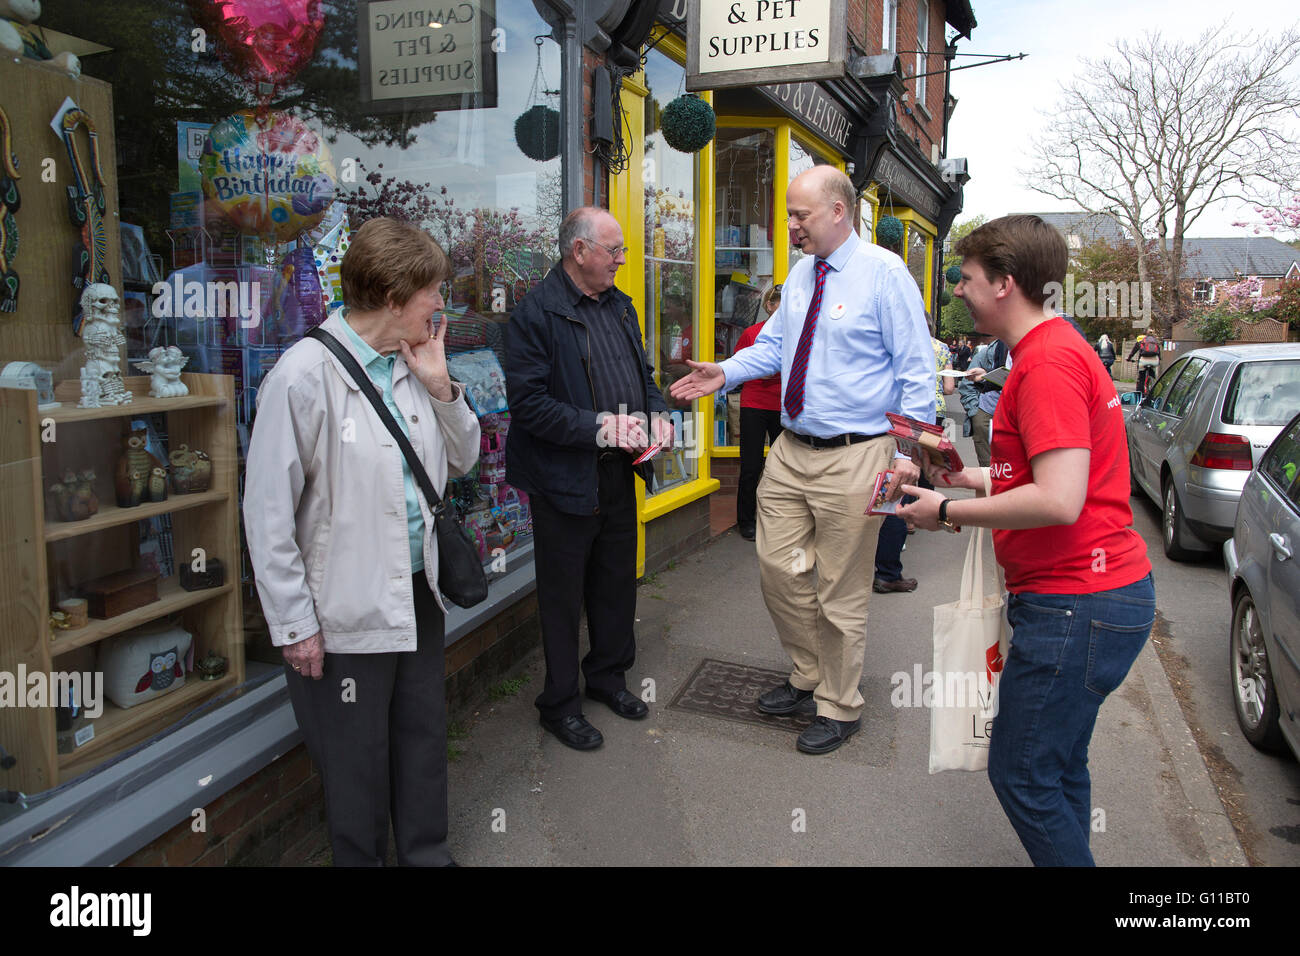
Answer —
(943, 517)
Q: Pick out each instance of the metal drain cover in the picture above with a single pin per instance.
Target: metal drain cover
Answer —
(730, 691)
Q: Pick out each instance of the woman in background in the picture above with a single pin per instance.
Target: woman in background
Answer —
(760, 421)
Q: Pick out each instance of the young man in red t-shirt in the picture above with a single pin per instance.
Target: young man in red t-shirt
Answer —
(1082, 600)
(760, 420)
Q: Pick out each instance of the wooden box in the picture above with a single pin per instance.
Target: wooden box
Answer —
(118, 593)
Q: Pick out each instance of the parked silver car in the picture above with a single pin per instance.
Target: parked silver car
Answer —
(1264, 662)
(1193, 440)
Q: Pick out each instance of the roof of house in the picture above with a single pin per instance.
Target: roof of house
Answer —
(1088, 226)
(1246, 255)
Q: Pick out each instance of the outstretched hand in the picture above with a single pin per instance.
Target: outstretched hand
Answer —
(706, 379)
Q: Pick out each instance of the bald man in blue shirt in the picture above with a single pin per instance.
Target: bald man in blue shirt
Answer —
(851, 343)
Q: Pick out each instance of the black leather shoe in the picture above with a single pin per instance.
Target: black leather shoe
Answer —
(574, 731)
(825, 734)
(624, 703)
(900, 585)
(747, 531)
(787, 699)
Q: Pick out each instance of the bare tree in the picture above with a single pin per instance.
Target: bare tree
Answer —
(1160, 131)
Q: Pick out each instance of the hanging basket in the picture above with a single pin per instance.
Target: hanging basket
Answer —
(953, 274)
(889, 231)
(688, 124)
(537, 132)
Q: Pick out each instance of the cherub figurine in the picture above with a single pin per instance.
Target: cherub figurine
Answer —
(164, 366)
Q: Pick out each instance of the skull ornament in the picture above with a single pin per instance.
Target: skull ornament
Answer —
(100, 303)
(101, 378)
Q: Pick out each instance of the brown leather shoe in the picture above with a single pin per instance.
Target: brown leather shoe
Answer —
(902, 584)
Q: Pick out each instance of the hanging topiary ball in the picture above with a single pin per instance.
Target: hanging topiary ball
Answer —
(953, 274)
(688, 123)
(889, 231)
(537, 132)
(945, 297)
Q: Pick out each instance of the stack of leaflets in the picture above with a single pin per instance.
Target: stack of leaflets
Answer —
(915, 436)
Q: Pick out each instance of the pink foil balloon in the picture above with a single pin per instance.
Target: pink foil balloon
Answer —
(264, 41)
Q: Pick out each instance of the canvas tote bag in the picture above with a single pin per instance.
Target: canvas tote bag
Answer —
(970, 645)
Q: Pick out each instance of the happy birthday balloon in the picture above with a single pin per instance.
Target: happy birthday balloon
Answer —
(271, 176)
(263, 41)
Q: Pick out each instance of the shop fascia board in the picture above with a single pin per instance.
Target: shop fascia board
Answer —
(104, 818)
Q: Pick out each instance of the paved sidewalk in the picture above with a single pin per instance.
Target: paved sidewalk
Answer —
(681, 788)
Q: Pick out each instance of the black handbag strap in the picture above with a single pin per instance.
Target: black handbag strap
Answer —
(368, 389)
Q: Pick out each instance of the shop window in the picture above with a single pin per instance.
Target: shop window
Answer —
(922, 44)
(744, 233)
(670, 262)
(470, 151)
(802, 159)
(917, 242)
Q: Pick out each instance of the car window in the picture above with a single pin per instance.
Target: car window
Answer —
(1184, 390)
(1281, 463)
(1263, 393)
(1158, 391)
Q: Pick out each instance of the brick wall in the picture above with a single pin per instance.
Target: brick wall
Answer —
(676, 533)
(727, 471)
(274, 818)
(859, 20)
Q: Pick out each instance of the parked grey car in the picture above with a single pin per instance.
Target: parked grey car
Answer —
(1264, 661)
(1195, 437)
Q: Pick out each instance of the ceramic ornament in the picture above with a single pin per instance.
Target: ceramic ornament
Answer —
(101, 376)
(9, 203)
(164, 366)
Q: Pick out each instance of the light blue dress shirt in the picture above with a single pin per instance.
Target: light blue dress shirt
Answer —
(871, 351)
(380, 369)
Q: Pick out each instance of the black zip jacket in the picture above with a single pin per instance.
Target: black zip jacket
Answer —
(551, 448)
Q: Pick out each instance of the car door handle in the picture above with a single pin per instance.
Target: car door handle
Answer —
(1279, 546)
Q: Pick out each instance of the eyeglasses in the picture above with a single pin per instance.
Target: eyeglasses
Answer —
(613, 251)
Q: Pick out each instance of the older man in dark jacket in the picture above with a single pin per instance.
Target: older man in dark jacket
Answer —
(583, 406)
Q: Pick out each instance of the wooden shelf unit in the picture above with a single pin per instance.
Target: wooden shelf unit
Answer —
(43, 562)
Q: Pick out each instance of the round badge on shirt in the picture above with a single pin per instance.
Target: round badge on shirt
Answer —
(836, 311)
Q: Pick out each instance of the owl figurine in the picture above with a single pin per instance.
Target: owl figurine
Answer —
(84, 501)
(163, 669)
(158, 484)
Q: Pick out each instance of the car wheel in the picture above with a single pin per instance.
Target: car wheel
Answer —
(1253, 690)
(1173, 527)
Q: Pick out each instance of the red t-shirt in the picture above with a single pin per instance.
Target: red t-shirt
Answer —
(759, 392)
(1059, 395)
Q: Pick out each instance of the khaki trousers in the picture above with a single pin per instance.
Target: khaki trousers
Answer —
(816, 551)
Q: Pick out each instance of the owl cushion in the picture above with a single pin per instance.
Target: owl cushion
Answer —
(144, 663)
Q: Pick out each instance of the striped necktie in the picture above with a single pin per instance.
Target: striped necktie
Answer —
(799, 367)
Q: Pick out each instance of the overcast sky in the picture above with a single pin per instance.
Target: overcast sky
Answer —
(998, 116)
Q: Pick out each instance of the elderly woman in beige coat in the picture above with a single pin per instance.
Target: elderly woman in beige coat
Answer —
(343, 552)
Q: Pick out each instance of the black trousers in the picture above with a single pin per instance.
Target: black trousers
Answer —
(587, 560)
(380, 744)
(756, 426)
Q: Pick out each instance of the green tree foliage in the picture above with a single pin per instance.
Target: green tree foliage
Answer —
(955, 318)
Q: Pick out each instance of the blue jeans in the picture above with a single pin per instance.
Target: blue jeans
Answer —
(1068, 651)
